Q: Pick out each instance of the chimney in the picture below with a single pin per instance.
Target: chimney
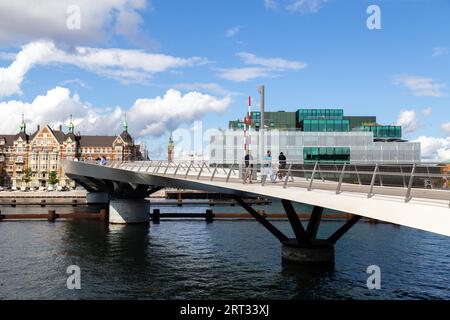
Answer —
(60, 127)
(38, 127)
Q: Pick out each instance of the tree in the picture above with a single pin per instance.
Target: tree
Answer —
(27, 175)
(53, 178)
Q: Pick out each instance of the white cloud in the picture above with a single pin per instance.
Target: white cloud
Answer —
(243, 74)
(261, 67)
(434, 149)
(427, 111)
(154, 116)
(270, 4)
(446, 127)
(28, 20)
(306, 6)
(271, 63)
(121, 64)
(207, 87)
(300, 6)
(439, 51)
(421, 86)
(408, 120)
(146, 117)
(233, 31)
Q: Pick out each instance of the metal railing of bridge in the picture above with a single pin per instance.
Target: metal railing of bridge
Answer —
(417, 180)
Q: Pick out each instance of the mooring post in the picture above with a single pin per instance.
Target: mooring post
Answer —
(156, 216)
(180, 199)
(103, 215)
(209, 216)
(51, 216)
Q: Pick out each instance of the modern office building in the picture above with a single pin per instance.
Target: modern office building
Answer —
(310, 135)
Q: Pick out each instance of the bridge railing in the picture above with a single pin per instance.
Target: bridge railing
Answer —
(417, 180)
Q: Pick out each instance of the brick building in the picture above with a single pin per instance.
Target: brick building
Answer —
(36, 155)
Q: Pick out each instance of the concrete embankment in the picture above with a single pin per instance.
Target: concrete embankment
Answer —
(29, 198)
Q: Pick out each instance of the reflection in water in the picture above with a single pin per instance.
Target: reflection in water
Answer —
(225, 259)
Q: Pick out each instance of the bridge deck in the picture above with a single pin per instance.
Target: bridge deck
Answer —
(425, 209)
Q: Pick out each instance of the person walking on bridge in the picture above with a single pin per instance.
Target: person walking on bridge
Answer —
(267, 167)
(248, 162)
(282, 165)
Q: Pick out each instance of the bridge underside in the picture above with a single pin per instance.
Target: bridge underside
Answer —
(426, 215)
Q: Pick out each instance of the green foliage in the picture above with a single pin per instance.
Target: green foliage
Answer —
(53, 178)
(27, 175)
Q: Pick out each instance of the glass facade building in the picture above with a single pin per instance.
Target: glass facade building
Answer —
(324, 135)
(299, 146)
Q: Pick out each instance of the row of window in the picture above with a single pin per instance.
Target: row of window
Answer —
(384, 131)
(304, 114)
(325, 125)
(328, 155)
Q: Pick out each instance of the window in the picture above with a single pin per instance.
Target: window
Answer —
(326, 155)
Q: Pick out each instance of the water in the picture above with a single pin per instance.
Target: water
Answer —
(225, 259)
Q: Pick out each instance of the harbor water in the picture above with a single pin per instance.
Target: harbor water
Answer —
(190, 259)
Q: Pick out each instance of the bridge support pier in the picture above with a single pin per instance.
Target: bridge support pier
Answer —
(315, 253)
(128, 211)
(305, 248)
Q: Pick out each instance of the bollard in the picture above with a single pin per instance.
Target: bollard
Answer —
(43, 203)
(51, 216)
(262, 213)
(13, 204)
(156, 216)
(74, 202)
(180, 199)
(209, 216)
(103, 215)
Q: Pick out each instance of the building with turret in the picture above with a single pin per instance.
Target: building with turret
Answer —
(33, 156)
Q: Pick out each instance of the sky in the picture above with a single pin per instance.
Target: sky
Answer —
(167, 65)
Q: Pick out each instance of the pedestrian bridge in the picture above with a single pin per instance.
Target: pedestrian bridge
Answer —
(408, 195)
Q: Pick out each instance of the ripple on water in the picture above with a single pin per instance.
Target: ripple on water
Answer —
(226, 259)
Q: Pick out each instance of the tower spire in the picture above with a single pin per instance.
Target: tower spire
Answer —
(71, 125)
(23, 126)
(125, 123)
(170, 148)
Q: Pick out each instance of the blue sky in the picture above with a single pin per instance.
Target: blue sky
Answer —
(308, 53)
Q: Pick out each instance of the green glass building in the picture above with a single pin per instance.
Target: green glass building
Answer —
(328, 136)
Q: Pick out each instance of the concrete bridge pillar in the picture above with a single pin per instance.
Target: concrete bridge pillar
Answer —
(319, 253)
(126, 211)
